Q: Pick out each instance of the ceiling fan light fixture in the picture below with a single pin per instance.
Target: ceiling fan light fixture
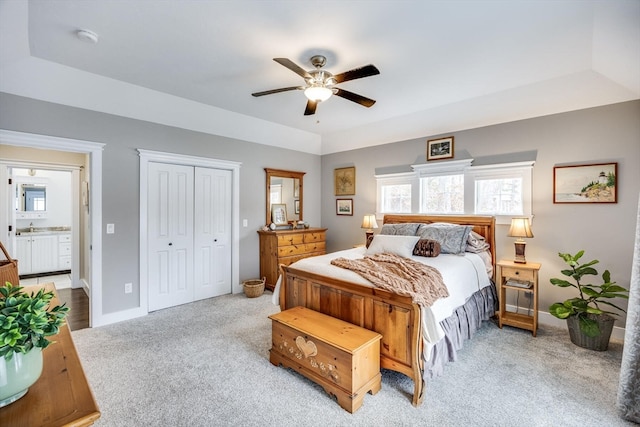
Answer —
(318, 93)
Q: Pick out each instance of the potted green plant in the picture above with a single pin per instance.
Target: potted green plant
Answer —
(589, 325)
(26, 320)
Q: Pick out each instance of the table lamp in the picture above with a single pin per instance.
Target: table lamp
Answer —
(520, 228)
(369, 223)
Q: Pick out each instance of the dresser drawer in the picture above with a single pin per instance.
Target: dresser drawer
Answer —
(290, 239)
(314, 237)
(518, 273)
(308, 248)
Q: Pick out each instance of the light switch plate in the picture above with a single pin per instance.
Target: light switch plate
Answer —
(111, 228)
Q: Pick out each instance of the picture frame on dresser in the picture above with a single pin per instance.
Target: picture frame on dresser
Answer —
(279, 214)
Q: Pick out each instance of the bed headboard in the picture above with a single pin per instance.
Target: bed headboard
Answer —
(482, 224)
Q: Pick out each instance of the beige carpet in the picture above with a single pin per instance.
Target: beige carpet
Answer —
(207, 364)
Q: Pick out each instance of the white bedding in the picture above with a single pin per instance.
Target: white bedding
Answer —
(462, 274)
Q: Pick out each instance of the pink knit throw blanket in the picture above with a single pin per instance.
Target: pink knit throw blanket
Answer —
(399, 275)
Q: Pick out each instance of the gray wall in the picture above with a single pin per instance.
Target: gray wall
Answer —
(604, 134)
(121, 179)
(604, 231)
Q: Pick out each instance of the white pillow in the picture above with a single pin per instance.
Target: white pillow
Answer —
(399, 245)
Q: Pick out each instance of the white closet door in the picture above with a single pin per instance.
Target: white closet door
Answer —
(212, 228)
(170, 222)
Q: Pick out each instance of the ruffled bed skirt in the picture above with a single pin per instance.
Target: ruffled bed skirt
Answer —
(459, 327)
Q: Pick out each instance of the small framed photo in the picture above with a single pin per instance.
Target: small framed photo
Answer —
(591, 183)
(344, 181)
(438, 149)
(279, 214)
(296, 204)
(344, 206)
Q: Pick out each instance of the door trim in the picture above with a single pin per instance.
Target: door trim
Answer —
(147, 156)
(94, 150)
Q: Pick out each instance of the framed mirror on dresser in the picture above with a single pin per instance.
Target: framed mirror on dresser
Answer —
(280, 241)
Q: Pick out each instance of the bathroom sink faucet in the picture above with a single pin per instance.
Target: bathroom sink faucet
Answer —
(31, 227)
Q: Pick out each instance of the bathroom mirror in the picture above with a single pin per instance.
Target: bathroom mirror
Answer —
(284, 188)
(31, 197)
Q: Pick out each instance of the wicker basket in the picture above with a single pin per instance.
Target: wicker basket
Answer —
(8, 269)
(254, 288)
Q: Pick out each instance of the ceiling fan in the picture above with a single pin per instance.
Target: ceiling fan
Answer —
(320, 83)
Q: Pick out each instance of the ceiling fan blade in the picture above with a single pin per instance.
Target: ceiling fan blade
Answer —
(357, 73)
(358, 99)
(311, 108)
(284, 89)
(293, 67)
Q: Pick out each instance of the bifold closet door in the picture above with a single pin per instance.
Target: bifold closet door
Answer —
(212, 233)
(170, 234)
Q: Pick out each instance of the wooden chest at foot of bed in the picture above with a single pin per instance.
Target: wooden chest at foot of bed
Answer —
(341, 357)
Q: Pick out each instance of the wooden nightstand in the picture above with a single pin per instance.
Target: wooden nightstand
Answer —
(509, 275)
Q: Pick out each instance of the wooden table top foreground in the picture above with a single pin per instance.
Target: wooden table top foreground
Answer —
(61, 396)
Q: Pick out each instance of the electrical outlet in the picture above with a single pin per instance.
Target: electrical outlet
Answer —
(128, 288)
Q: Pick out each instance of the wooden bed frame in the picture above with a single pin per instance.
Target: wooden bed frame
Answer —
(393, 316)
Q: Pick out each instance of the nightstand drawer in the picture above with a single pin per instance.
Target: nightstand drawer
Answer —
(518, 273)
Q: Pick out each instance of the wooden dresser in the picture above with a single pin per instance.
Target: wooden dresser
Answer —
(286, 247)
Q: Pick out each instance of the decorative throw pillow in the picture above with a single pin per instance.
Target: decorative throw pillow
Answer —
(427, 248)
(406, 229)
(476, 243)
(452, 237)
(398, 245)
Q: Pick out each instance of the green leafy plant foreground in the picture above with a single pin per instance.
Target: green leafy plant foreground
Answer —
(589, 297)
(26, 320)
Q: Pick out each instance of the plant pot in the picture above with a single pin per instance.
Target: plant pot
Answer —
(598, 343)
(18, 374)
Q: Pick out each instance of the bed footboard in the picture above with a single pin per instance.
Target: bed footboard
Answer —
(394, 317)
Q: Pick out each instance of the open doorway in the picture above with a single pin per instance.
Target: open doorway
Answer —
(49, 232)
(31, 151)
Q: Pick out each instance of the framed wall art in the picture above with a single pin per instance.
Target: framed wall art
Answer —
(344, 181)
(590, 183)
(438, 149)
(344, 207)
(279, 214)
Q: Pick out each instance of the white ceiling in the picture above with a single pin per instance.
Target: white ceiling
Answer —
(445, 65)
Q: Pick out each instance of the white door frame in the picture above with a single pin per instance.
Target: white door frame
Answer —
(147, 156)
(94, 150)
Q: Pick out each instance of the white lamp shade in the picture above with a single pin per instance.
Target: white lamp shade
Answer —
(369, 222)
(520, 227)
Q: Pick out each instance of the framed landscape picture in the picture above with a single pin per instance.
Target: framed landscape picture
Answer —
(438, 149)
(344, 181)
(344, 206)
(592, 183)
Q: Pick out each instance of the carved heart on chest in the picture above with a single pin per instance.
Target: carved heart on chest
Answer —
(308, 348)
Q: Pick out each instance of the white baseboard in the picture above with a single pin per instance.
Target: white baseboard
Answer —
(546, 318)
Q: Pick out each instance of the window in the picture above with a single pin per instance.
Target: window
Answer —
(456, 187)
(442, 194)
(395, 193)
